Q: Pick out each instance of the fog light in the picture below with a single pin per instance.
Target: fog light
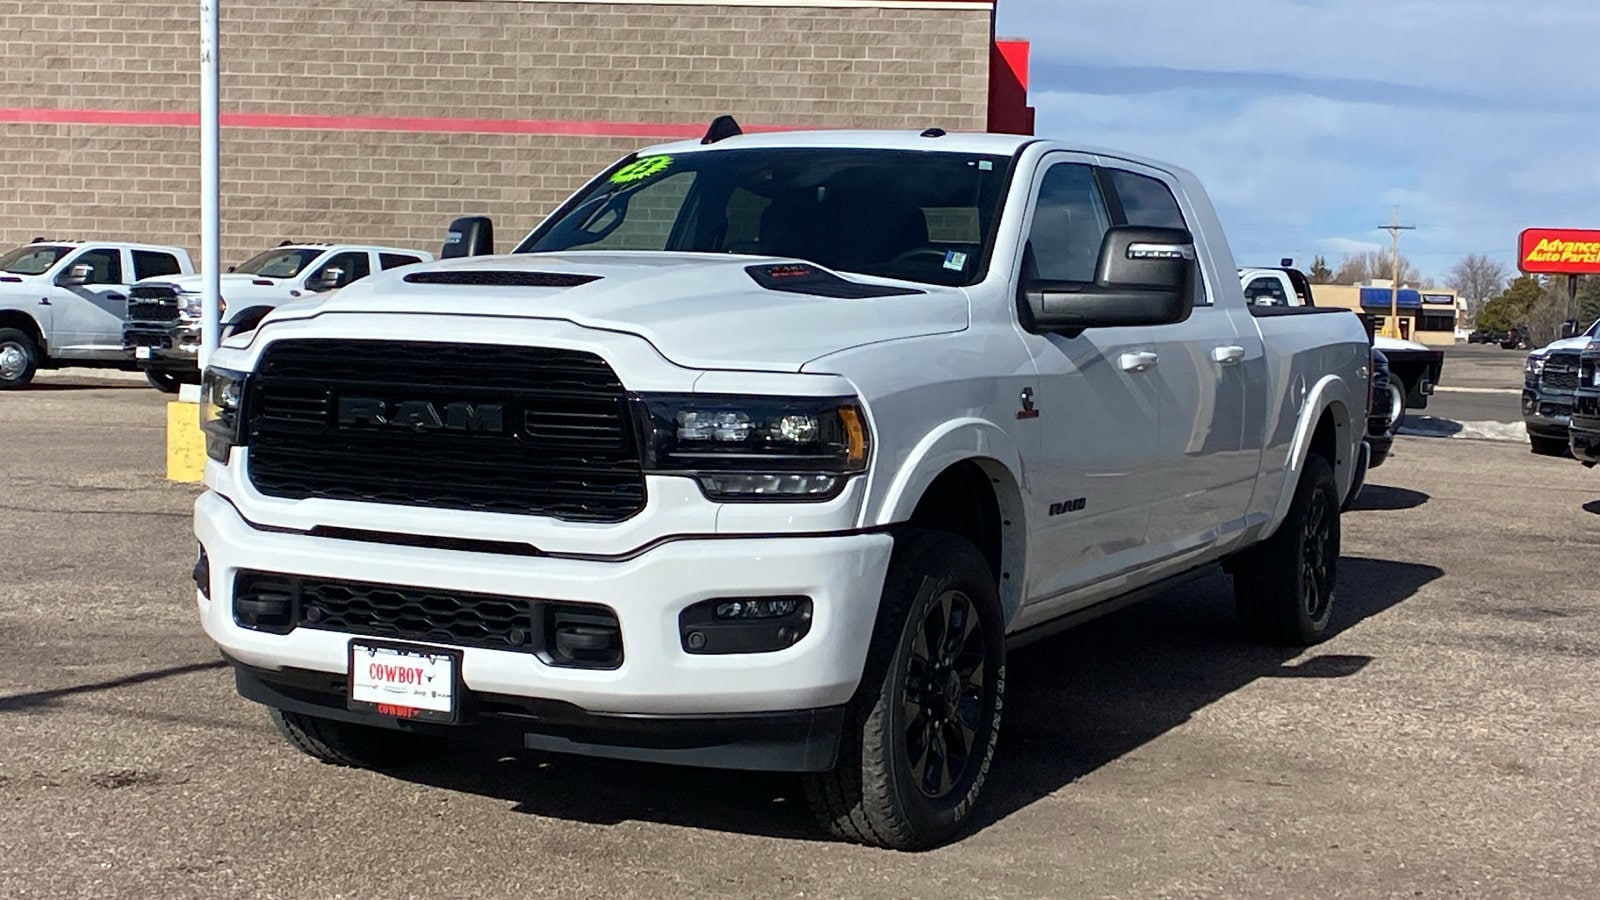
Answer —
(744, 624)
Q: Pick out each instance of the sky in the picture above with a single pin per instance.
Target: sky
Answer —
(1309, 121)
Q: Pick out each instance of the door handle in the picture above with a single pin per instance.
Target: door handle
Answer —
(1227, 355)
(44, 301)
(1138, 361)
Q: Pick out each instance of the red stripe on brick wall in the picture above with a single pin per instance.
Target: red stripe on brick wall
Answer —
(151, 118)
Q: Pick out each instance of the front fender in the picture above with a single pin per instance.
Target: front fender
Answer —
(946, 445)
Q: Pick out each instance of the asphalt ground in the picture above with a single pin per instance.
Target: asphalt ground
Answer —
(1442, 744)
(1480, 383)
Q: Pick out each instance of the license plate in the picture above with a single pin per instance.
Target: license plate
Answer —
(404, 681)
(141, 353)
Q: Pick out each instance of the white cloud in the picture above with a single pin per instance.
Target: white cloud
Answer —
(1347, 246)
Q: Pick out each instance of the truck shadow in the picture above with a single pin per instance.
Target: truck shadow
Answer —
(1074, 703)
(1593, 506)
(1377, 497)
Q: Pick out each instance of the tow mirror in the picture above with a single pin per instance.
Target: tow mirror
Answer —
(1144, 276)
(469, 236)
(78, 275)
(330, 278)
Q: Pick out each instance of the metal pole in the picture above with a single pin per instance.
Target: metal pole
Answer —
(1391, 328)
(210, 187)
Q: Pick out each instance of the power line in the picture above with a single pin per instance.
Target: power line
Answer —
(1391, 326)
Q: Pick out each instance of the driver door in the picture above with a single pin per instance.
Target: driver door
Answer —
(1098, 410)
(88, 317)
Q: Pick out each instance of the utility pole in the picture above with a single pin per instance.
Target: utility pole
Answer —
(1391, 328)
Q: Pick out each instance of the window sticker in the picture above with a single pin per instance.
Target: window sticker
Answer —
(955, 260)
(640, 169)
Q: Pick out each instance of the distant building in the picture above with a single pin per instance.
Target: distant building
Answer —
(1430, 316)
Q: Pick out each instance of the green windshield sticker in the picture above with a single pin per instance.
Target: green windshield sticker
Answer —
(640, 169)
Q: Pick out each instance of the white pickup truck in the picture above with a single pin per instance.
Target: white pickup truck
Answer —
(62, 303)
(759, 453)
(162, 332)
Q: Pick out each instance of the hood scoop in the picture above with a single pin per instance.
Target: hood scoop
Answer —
(799, 278)
(493, 278)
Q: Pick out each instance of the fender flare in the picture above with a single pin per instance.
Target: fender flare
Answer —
(1331, 393)
(951, 442)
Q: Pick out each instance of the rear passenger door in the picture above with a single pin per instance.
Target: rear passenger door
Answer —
(1204, 366)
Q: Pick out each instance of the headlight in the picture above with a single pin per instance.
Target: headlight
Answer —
(191, 305)
(1535, 365)
(756, 448)
(221, 396)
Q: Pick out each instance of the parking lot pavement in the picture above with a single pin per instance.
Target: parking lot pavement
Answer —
(1441, 745)
(1480, 383)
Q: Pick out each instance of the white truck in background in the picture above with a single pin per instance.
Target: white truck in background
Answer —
(162, 331)
(759, 453)
(62, 303)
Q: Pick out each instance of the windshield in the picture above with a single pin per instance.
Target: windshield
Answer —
(34, 259)
(919, 215)
(279, 263)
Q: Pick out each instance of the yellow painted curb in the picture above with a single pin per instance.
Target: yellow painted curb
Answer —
(186, 445)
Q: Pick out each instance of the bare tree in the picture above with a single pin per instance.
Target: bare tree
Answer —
(1477, 278)
(1374, 264)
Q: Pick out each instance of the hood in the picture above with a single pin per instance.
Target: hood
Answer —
(233, 284)
(699, 310)
(1571, 343)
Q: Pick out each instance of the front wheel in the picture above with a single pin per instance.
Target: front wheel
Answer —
(921, 731)
(19, 359)
(1284, 586)
(349, 744)
(165, 382)
(1397, 403)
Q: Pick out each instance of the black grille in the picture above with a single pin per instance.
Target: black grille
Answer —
(571, 635)
(152, 303)
(1560, 373)
(525, 430)
(491, 278)
(457, 618)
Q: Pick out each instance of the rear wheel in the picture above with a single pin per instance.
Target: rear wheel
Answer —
(1548, 446)
(165, 382)
(19, 359)
(1397, 403)
(358, 746)
(1284, 587)
(921, 732)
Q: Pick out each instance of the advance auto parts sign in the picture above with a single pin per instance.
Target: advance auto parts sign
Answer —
(1559, 251)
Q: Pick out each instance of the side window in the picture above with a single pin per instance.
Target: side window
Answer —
(150, 264)
(395, 260)
(1069, 222)
(105, 263)
(353, 263)
(1145, 200)
(1265, 291)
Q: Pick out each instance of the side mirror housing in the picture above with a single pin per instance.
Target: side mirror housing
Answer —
(469, 236)
(1144, 276)
(330, 278)
(76, 276)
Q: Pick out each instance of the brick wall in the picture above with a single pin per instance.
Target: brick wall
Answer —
(565, 62)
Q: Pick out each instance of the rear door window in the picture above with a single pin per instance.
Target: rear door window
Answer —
(396, 260)
(152, 263)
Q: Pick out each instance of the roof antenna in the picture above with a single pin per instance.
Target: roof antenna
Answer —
(934, 132)
(722, 128)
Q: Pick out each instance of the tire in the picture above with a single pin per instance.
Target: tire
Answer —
(165, 382)
(357, 746)
(1284, 587)
(1397, 401)
(19, 359)
(1547, 446)
(899, 782)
